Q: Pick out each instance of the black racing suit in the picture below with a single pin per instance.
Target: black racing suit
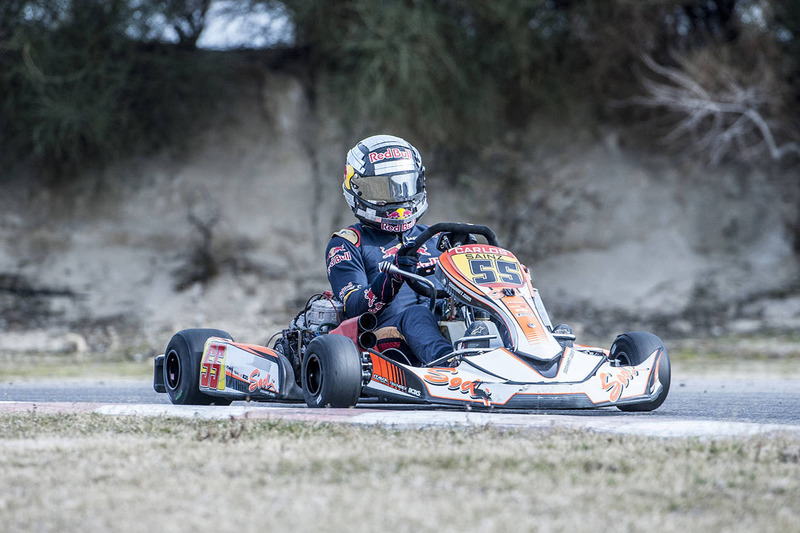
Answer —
(352, 257)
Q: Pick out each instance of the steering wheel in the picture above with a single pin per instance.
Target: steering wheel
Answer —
(455, 229)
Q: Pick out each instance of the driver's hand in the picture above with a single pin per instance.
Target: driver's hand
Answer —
(407, 263)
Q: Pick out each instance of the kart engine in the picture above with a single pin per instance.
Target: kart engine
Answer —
(320, 315)
(324, 312)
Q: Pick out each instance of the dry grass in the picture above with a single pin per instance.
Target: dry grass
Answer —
(95, 473)
(68, 367)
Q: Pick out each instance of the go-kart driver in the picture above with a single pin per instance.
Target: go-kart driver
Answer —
(384, 184)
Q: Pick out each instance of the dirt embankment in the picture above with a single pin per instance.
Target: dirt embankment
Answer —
(231, 234)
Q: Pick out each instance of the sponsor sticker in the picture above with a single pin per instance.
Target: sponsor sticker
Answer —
(616, 383)
(346, 289)
(399, 214)
(338, 258)
(392, 250)
(453, 382)
(405, 226)
(261, 383)
(392, 376)
(212, 367)
(373, 304)
(391, 153)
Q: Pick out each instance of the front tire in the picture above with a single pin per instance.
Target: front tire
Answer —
(331, 374)
(182, 367)
(631, 349)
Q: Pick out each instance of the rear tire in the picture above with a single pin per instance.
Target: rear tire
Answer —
(182, 367)
(331, 374)
(633, 349)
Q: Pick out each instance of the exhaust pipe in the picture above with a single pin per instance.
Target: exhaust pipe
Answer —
(367, 340)
(367, 322)
(366, 326)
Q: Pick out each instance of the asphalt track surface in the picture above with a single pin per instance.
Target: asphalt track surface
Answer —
(703, 406)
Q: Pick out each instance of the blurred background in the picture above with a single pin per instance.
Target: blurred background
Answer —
(177, 163)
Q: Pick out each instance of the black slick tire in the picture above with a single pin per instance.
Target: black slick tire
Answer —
(331, 374)
(633, 349)
(182, 367)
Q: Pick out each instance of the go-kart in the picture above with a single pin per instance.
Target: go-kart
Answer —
(518, 361)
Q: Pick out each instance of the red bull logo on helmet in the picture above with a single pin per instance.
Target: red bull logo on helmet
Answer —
(398, 226)
(391, 153)
(404, 217)
(399, 214)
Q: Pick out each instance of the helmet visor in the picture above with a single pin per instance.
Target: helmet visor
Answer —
(387, 189)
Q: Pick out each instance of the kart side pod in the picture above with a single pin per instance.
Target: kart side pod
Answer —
(202, 366)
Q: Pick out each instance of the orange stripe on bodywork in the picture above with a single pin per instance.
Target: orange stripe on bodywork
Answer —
(378, 366)
(526, 318)
(261, 351)
(388, 370)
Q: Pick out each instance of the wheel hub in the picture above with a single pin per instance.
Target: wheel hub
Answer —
(172, 369)
(313, 375)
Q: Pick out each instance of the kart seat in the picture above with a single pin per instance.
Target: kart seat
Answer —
(392, 344)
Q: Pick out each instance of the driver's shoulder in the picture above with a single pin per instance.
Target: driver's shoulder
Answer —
(351, 234)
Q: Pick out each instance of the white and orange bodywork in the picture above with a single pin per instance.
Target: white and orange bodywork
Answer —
(531, 369)
(499, 378)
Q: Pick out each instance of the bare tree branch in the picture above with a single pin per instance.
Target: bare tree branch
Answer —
(723, 118)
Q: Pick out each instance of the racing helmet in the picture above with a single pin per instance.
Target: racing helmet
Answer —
(384, 183)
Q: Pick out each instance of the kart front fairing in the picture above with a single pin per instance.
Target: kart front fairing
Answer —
(500, 378)
(492, 279)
